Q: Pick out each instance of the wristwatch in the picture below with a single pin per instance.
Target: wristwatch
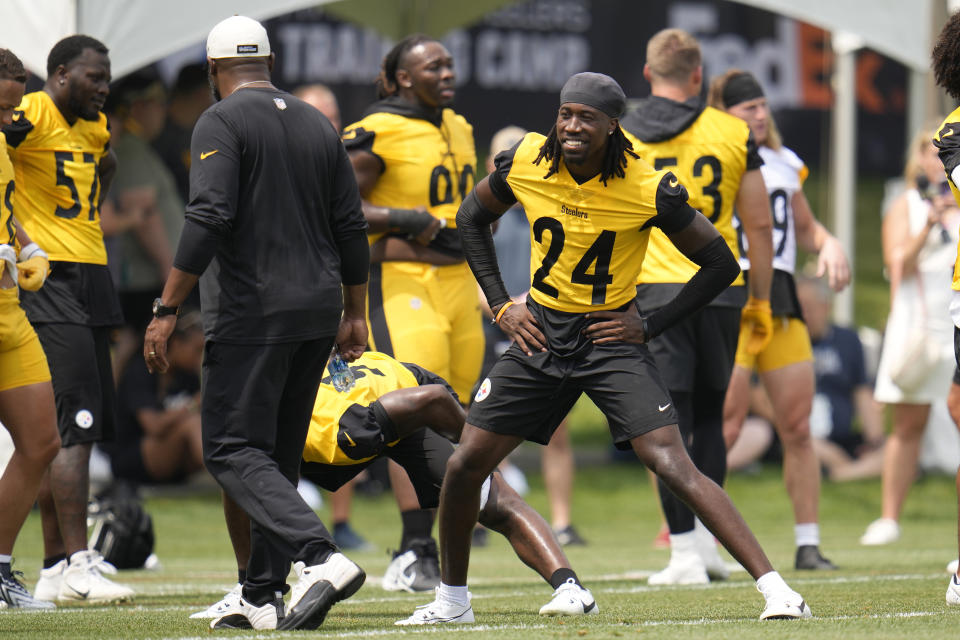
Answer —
(160, 309)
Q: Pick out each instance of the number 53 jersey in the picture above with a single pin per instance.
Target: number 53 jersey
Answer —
(58, 183)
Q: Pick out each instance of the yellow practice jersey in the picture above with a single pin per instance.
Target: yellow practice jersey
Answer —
(7, 230)
(376, 374)
(587, 240)
(424, 164)
(947, 141)
(58, 179)
(709, 157)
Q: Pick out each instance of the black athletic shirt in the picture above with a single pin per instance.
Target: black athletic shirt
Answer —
(273, 202)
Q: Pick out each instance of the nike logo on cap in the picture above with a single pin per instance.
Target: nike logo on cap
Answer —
(349, 439)
(206, 154)
(663, 408)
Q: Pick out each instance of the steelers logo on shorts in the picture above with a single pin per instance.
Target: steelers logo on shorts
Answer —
(483, 391)
(84, 419)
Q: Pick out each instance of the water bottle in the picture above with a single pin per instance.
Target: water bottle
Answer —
(342, 377)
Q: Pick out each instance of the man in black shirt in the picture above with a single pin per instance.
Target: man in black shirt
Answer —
(274, 226)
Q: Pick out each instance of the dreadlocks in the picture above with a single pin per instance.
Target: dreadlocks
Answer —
(387, 80)
(946, 57)
(614, 162)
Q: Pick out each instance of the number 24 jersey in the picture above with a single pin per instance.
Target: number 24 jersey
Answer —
(58, 181)
(588, 240)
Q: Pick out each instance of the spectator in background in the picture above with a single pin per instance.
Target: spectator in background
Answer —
(919, 248)
(145, 192)
(321, 98)
(189, 98)
(844, 392)
(512, 241)
(158, 420)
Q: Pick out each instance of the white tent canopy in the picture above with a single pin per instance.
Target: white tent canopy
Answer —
(141, 31)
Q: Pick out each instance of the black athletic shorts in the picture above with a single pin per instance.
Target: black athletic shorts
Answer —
(528, 396)
(699, 351)
(75, 293)
(423, 455)
(82, 375)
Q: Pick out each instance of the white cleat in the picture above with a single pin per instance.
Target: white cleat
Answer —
(48, 586)
(250, 616)
(570, 599)
(881, 531)
(83, 581)
(683, 569)
(953, 591)
(318, 588)
(230, 603)
(438, 612)
(786, 606)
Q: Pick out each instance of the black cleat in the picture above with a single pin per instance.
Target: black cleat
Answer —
(568, 536)
(809, 558)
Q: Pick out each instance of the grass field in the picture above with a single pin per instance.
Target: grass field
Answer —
(886, 592)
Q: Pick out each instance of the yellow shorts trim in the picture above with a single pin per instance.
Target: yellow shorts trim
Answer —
(22, 361)
(790, 344)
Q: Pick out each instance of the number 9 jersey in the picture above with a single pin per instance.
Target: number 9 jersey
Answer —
(58, 181)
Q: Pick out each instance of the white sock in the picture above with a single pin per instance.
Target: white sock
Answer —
(770, 583)
(807, 533)
(5, 559)
(683, 544)
(453, 595)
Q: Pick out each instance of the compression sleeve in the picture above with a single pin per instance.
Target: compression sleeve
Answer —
(198, 245)
(354, 259)
(718, 268)
(473, 223)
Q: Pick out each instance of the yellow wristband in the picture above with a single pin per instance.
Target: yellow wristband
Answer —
(502, 309)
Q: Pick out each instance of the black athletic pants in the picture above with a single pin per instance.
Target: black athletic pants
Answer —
(257, 404)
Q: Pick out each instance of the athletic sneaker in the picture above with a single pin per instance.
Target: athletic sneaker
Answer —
(570, 599)
(569, 536)
(881, 531)
(318, 588)
(250, 616)
(438, 612)
(953, 591)
(348, 539)
(788, 605)
(14, 595)
(952, 566)
(83, 580)
(414, 570)
(48, 586)
(230, 603)
(809, 557)
(686, 568)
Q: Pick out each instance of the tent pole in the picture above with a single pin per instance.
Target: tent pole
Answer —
(843, 133)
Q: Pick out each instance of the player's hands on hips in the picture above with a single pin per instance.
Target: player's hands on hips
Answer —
(616, 326)
(756, 325)
(832, 261)
(352, 336)
(155, 343)
(32, 267)
(521, 327)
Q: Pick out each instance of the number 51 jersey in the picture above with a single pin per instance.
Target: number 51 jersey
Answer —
(58, 181)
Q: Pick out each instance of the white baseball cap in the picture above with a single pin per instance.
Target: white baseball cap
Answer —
(238, 37)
